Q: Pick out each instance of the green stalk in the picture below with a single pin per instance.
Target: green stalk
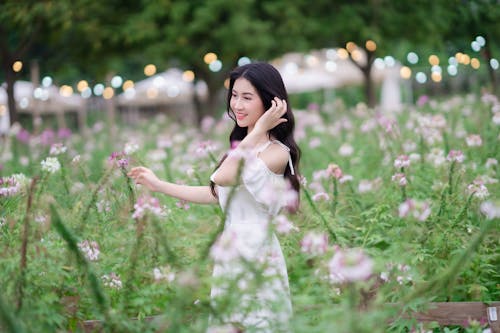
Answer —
(335, 196)
(10, 323)
(450, 178)
(446, 278)
(95, 285)
(318, 213)
(24, 246)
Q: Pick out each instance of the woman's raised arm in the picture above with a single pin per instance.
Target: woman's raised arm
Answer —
(195, 194)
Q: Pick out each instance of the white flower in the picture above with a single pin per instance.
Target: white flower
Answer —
(419, 210)
(90, 249)
(51, 165)
(478, 190)
(112, 280)
(346, 150)
(163, 274)
(474, 140)
(402, 161)
(130, 148)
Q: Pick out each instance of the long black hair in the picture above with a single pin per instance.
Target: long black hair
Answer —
(268, 83)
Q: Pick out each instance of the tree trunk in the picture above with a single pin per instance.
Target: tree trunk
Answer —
(488, 56)
(11, 101)
(370, 97)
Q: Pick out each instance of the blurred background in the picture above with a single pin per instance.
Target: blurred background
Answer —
(63, 62)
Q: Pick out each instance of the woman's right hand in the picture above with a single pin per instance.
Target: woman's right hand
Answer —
(146, 177)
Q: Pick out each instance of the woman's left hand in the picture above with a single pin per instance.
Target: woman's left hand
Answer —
(272, 117)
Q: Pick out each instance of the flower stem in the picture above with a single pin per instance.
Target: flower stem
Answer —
(318, 213)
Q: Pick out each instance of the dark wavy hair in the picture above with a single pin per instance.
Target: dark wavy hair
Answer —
(268, 82)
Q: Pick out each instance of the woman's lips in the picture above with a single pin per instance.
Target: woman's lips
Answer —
(240, 116)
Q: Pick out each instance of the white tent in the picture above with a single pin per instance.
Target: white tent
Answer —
(164, 88)
(40, 101)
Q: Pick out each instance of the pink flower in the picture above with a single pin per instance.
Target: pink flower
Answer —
(23, 136)
(182, 204)
(314, 143)
(147, 204)
(422, 100)
(474, 140)
(455, 156)
(321, 196)
(402, 161)
(9, 186)
(478, 190)
(350, 265)
(490, 209)
(314, 243)
(419, 210)
(333, 170)
(400, 179)
(47, 137)
(64, 133)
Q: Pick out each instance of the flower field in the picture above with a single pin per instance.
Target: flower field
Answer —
(398, 209)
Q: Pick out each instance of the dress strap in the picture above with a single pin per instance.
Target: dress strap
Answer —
(290, 163)
(263, 147)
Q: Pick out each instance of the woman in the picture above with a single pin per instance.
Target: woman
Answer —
(252, 183)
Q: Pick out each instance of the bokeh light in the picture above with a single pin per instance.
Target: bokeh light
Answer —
(46, 81)
(209, 58)
(475, 46)
(244, 61)
(494, 63)
(342, 53)
(188, 76)
(436, 77)
(17, 66)
(331, 66)
(350, 46)
(433, 60)
(108, 93)
(481, 41)
(150, 70)
(371, 45)
(412, 58)
(98, 89)
(475, 63)
(357, 55)
(389, 61)
(452, 70)
(66, 90)
(86, 93)
(421, 77)
(215, 66)
(405, 72)
(82, 85)
(116, 81)
(127, 85)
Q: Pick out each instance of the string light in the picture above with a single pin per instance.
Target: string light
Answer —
(150, 70)
(405, 72)
(17, 66)
(371, 45)
(188, 76)
(209, 58)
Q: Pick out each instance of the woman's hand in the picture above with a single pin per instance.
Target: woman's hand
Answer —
(146, 177)
(272, 117)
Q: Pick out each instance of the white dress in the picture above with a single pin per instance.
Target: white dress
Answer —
(250, 281)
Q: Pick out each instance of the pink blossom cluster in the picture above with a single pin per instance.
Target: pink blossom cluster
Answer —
(314, 243)
(474, 140)
(490, 209)
(478, 189)
(400, 179)
(205, 147)
(57, 149)
(350, 265)
(9, 186)
(402, 161)
(455, 156)
(334, 171)
(420, 210)
(120, 159)
(90, 249)
(112, 280)
(147, 204)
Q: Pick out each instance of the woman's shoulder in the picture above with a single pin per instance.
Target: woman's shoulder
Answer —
(275, 156)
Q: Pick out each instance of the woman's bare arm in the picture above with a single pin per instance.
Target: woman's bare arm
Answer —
(195, 194)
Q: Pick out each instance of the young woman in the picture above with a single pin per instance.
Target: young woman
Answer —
(252, 183)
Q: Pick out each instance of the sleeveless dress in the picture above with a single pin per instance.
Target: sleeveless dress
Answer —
(250, 282)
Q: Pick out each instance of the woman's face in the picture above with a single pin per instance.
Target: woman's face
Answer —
(246, 104)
